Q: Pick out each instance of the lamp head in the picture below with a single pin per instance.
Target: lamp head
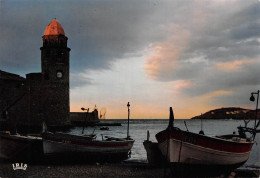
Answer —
(252, 98)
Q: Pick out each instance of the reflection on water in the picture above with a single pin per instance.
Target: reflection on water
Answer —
(138, 130)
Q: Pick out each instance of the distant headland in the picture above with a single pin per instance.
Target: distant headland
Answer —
(229, 113)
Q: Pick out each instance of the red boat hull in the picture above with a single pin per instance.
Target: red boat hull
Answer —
(189, 148)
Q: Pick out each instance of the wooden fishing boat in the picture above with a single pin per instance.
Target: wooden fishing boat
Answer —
(85, 145)
(104, 128)
(20, 147)
(187, 149)
(79, 146)
(154, 155)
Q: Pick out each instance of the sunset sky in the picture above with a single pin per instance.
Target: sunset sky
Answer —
(193, 55)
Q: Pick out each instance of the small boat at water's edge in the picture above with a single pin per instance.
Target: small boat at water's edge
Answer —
(20, 147)
(85, 145)
(186, 149)
(108, 149)
(104, 128)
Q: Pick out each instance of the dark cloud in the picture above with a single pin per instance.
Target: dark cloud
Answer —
(227, 36)
(101, 32)
(213, 80)
(186, 70)
(239, 97)
(98, 31)
(79, 79)
(228, 33)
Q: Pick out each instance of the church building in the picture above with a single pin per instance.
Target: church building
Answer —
(42, 96)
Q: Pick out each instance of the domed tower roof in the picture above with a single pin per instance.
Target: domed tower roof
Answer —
(54, 28)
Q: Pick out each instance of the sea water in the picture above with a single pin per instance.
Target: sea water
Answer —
(139, 127)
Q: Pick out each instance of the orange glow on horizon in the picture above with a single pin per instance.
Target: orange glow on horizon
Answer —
(186, 108)
(149, 113)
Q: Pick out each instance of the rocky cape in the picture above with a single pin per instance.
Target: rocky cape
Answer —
(229, 113)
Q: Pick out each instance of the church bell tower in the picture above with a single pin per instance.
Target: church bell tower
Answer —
(55, 75)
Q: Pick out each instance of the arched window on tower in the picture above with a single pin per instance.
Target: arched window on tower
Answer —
(61, 43)
(48, 53)
(45, 42)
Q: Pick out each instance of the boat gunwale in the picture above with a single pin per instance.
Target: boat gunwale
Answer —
(95, 141)
(49, 136)
(203, 136)
(20, 137)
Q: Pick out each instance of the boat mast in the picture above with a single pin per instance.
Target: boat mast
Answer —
(171, 120)
(128, 106)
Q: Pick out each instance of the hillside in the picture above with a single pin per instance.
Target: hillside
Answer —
(229, 113)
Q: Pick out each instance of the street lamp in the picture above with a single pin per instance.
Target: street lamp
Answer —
(252, 98)
(85, 119)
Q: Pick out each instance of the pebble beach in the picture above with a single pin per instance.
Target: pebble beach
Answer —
(83, 170)
(96, 170)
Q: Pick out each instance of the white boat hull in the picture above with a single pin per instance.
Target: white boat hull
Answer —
(176, 151)
(192, 154)
(52, 147)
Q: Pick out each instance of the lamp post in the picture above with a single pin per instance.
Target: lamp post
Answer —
(252, 98)
(85, 120)
(128, 106)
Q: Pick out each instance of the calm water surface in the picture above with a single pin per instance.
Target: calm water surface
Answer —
(139, 127)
